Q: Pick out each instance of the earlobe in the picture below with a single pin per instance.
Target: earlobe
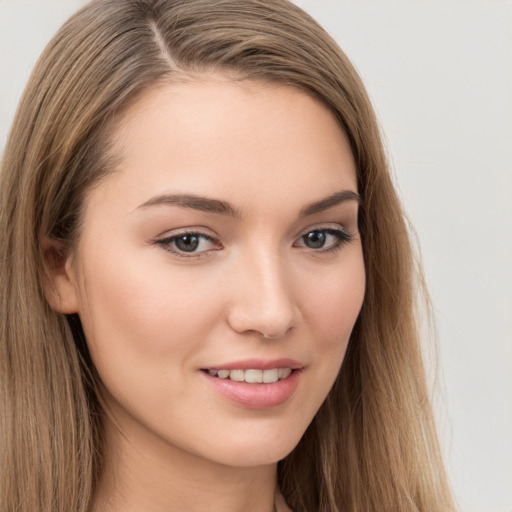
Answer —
(59, 279)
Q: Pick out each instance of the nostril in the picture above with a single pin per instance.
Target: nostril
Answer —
(275, 335)
(268, 327)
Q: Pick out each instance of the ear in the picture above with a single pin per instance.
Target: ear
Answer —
(59, 280)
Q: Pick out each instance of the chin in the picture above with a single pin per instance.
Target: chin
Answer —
(264, 448)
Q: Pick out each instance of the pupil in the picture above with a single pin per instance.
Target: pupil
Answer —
(315, 239)
(187, 243)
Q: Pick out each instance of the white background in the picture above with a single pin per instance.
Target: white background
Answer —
(440, 75)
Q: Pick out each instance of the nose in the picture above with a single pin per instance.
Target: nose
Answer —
(263, 298)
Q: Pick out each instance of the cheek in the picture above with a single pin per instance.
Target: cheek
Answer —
(132, 310)
(330, 312)
(335, 304)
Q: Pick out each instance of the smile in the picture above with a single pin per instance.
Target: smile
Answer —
(253, 376)
(247, 387)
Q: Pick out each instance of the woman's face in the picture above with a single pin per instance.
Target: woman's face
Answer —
(223, 250)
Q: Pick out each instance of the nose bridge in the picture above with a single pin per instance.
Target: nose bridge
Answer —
(264, 300)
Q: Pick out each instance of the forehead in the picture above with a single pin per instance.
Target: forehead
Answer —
(222, 137)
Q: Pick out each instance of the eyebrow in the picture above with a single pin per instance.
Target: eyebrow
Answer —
(209, 205)
(204, 204)
(333, 200)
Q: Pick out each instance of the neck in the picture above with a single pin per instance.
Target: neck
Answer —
(150, 475)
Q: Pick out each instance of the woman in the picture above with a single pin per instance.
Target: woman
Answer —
(175, 335)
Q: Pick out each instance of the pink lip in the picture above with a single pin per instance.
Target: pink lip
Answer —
(259, 364)
(256, 396)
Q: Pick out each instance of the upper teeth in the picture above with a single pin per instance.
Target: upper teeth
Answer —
(253, 376)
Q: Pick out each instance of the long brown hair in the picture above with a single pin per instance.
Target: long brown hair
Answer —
(372, 446)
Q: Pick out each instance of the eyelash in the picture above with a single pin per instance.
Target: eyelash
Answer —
(341, 237)
(167, 243)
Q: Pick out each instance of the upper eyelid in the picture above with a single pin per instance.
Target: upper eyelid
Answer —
(174, 236)
(333, 226)
(203, 231)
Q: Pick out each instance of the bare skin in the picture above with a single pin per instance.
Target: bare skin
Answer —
(228, 236)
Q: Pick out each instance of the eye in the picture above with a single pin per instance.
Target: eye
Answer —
(189, 244)
(323, 240)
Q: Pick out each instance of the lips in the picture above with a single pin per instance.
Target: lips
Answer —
(256, 384)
